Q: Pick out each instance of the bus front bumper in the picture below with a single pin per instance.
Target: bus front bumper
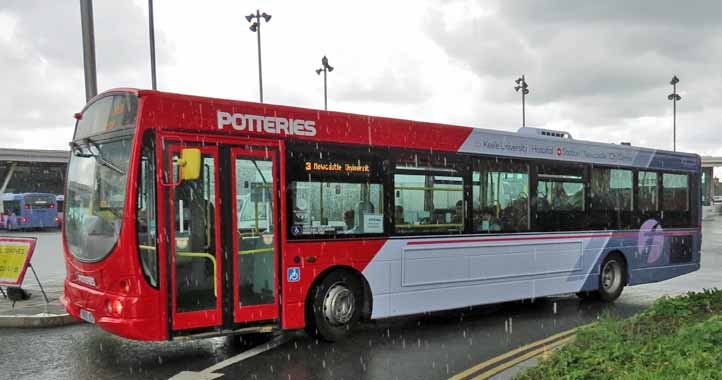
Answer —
(102, 309)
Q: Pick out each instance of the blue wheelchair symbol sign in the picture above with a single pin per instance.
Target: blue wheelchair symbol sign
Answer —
(294, 274)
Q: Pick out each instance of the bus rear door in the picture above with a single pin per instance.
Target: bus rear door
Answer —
(256, 239)
(224, 254)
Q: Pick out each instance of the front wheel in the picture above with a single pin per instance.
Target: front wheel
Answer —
(335, 306)
(612, 278)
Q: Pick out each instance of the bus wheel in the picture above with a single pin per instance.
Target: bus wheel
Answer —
(335, 306)
(612, 277)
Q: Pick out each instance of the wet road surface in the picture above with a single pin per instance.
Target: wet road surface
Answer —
(432, 346)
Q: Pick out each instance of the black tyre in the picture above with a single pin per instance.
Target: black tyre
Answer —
(612, 277)
(334, 306)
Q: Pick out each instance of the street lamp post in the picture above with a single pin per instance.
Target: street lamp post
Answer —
(521, 85)
(151, 36)
(674, 97)
(256, 28)
(325, 68)
(86, 21)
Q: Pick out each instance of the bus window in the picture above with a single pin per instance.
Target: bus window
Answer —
(195, 220)
(674, 192)
(11, 207)
(39, 201)
(333, 194)
(256, 244)
(500, 193)
(560, 196)
(647, 198)
(429, 196)
(323, 208)
(611, 198)
(146, 216)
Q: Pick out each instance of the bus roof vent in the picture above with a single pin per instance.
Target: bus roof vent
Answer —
(540, 132)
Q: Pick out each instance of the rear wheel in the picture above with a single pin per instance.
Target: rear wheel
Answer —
(334, 306)
(612, 277)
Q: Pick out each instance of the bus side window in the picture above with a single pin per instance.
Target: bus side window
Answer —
(500, 193)
(675, 199)
(146, 216)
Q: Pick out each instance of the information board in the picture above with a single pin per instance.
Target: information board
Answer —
(15, 254)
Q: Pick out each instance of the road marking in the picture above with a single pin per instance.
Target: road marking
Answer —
(497, 359)
(208, 373)
(523, 358)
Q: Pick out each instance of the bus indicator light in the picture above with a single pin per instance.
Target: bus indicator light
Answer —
(124, 286)
(117, 307)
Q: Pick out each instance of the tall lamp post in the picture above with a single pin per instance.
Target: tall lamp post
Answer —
(521, 85)
(86, 21)
(674, 97)
(256, 28)
(325, 68)
(151, 36)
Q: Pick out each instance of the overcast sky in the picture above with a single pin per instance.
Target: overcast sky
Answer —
(597, 69)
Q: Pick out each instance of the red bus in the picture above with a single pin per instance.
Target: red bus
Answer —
(188, 217)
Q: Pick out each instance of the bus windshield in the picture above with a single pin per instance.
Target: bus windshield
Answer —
(97, 177)
(96, 198)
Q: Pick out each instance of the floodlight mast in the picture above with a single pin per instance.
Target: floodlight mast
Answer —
(325, 68)
(674, 97)
(521, 85)
(256, 28)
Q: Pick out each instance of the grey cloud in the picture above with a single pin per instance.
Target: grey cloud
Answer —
(43, 61)
(599, 63)
(689, 14)
(393, 86)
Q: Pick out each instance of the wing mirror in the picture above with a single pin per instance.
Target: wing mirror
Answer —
(190, 164)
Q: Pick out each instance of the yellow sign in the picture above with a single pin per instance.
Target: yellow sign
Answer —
(14, 258)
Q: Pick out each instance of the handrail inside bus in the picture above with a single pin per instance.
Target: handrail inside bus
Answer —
(146, 247)
(429, 225)
(428, 188)
(252, 251)
(206, 256)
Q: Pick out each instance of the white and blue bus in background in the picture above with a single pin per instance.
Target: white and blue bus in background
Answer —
(29, 211)
(60, 205)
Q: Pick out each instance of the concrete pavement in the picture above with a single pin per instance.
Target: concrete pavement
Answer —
(50, 268)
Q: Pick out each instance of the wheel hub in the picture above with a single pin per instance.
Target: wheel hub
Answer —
(338, 305)
(611, 276)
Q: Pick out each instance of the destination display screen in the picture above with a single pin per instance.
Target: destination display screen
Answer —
(357, 168)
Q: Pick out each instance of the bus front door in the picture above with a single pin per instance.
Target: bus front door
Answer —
(255, 253)
(195, 249)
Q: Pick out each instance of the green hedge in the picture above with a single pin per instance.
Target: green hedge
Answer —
(676, 338)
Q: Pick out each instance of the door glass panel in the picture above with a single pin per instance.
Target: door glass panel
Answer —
(195, 251)
(254, 215)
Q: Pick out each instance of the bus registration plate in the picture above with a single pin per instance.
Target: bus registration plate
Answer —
(87, 316)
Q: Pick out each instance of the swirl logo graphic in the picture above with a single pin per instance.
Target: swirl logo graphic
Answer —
(650, 240)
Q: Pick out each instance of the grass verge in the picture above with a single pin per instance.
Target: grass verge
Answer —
(676, 338)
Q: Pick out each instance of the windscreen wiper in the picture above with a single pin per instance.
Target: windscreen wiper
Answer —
(101, 159)
(263, 178)
(78, 151)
